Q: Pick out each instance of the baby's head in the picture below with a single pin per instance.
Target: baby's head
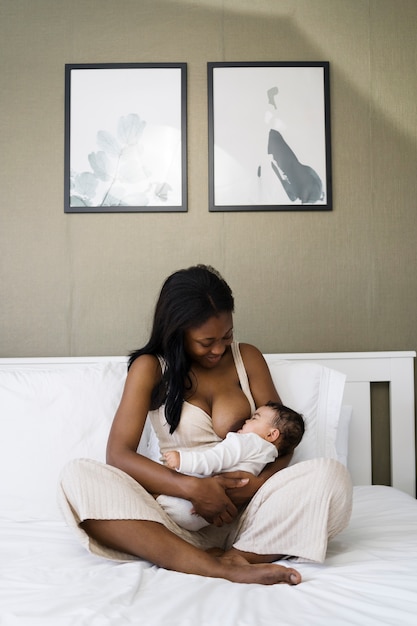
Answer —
(278, 424)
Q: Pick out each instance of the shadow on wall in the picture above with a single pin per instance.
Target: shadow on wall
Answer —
(373, 162)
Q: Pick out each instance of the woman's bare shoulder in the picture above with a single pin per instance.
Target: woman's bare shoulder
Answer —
(251, 353)
(146, 367)
(259, 375)
(253, 359)
(145, 361)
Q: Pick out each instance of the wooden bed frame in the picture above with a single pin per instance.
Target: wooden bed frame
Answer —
(361, 369)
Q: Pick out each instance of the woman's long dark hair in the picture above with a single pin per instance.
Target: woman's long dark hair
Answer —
(187, 300)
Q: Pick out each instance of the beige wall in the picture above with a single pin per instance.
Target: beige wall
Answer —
(86, 284)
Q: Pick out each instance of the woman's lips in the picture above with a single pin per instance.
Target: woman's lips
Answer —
(214, 359)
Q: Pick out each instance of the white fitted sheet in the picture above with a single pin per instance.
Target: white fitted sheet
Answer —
(369, 578)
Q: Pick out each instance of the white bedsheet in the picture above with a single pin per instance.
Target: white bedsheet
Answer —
(369, 579)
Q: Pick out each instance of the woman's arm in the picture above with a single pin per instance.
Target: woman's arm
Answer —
(207, 495)
(260, 380)
(129, 421)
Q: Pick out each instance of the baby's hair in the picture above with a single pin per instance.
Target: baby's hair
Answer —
(290, 425)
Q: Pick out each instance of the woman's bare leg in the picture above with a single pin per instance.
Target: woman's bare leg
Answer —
(155, 543)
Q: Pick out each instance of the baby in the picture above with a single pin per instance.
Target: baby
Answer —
(273, 429)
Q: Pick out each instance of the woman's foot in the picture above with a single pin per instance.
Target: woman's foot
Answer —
(239, 570)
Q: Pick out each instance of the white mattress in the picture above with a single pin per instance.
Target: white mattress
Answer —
(369, 579)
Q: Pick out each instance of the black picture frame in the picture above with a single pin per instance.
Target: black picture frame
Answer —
(269, 136)
(125, 138)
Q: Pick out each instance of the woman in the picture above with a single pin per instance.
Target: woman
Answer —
(197, 385)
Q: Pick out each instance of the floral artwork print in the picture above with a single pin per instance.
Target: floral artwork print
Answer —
(119, 175)
(125, 138)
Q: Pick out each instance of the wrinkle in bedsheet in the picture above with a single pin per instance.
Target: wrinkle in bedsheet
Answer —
(47, 579)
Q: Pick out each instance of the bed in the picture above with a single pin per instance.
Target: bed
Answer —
(55, 409)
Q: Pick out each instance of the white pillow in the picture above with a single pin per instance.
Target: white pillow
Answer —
(316, 392)
(342, 437)
(47, 417)
(51, 415)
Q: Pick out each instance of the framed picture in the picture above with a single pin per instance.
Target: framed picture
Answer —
(269, 136)
(125, 138)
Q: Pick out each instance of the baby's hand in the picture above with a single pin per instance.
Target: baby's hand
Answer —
(172, 459)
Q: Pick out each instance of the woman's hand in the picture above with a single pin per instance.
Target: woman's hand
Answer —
(209, 499)
(241, 496)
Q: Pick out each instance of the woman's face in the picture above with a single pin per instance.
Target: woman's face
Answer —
(207, 343)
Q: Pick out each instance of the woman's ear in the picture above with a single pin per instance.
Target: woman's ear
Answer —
(273, 435)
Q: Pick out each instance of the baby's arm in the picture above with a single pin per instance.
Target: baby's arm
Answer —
(224, 456)
(221, 457)
(172, 459)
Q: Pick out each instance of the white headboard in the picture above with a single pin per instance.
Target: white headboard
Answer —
(361, 369)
